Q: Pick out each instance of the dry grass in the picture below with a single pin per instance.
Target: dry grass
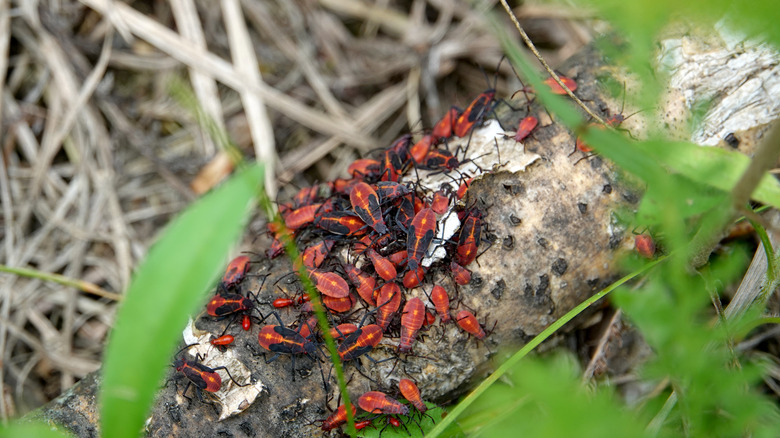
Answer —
(97, 155)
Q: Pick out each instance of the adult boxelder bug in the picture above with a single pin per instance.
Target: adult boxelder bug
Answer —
(525, 127)
(474, 113)
(375, 402)
(223, 305)
(235, 272)
(340, 222)
(468, 243)
(388, 302)
(468, 322)
(411, 392)
(384, 267)
(363, 340)
(329, 283)
(364, 167)
(421, 232)
(365, 202)
(441, 301)
(337, 418)
(412, 319)
(203, 377)
(387, 190)
(439, 159)
(282, 340)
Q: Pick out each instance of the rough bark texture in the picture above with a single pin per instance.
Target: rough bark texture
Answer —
(554, 240)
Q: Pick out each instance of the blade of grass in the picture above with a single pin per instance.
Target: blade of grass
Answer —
(85, 286)
(527, 348)
(167, 287)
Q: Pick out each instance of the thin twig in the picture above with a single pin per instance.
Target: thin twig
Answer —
(63, 280)
(555, 77)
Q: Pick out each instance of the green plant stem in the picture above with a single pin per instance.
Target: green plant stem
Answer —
(322, 320)
(63, 280)
(527, 348)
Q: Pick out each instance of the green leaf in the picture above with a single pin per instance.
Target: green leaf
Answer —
(168, 286)
(716, 167)
(31, 430)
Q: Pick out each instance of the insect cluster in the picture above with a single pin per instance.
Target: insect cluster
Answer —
(376, 246)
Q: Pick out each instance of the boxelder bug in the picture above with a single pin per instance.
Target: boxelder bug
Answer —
(468, 243)
(235, 272)
(421, 232)
(644, 245)
(340, 222)
(363, 340)
(330, 283)
(301, 217)
(474, 113)
(203, 377)
(468, 322)
(223, 305)
(525, 127)
(364, 283)
(411, 392)
(461, 275)
(375, 402)
(556, 89)
(339, 305)
(282, 340)
(414, 277)
(443, 128)
(384, 267)
(441, 301)
(365, 202)
(364, 167)
(412, 319)
(420, 150)
(337, 418)
(388, 302)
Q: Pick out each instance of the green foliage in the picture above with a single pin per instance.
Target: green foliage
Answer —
(31, 430)
(168, 286)
(546, 399)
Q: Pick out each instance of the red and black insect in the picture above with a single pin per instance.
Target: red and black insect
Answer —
(557, 89)
(644, 245)
(341, 331)
(280, 340)
(235, 272)
(468, 322)
(525, 127)
(375, 402)
(301, 217)
(412, 319)
(339, 305)
(440, 202)
(222, 340)
(329, 283)
(420, 236)
(420, 149)
(441, 301)
(439, 159)
(411, 392)
(340, 222)
(246, 322)
(463, 188)
(305, 196)
(469, 239)
(443, 128)
(384, 267)
(337, 418)
(365, 202)
(413, 278)
(364, 168)
(363, 282)
(228, 304)
(388, 302)
(362, 341)
(388, 190)
(203, 377)
(314, 255)
(461, 275)
(474, 113)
